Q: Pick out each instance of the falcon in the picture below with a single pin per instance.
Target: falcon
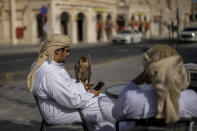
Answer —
(83, 70)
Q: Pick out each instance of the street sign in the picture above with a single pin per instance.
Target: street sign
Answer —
(43, 11)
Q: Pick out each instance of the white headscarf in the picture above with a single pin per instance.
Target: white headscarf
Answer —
(169, 76)
(47, 51)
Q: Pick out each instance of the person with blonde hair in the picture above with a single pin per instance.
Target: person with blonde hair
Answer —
(166, 97)
(60, 96)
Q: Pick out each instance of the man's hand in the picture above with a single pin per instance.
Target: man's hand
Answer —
(87, 86)
(141, 78)
(95, 92)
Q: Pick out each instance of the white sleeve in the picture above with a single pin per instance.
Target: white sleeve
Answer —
(66, 92)
(124, 102)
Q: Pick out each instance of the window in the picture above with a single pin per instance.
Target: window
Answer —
(168, 4)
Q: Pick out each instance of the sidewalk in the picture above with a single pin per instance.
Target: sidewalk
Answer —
(9, 49)
(19, 112)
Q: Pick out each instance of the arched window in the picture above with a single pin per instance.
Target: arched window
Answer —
(41, 21)
(64, 22)
(120, 23)
(109, 26)
(80, 26)
(99, 26)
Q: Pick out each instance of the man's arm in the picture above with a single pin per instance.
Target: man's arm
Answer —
(141, 78)
(67, 93)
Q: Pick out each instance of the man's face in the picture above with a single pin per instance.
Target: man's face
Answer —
(63, 55)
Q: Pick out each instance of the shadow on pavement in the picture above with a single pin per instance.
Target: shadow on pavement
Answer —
(11, 126)
(33, 126)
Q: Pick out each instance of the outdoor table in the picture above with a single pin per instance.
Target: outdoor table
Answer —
(114, 91)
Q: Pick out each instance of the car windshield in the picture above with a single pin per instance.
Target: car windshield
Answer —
(126, 32)
(190, 29)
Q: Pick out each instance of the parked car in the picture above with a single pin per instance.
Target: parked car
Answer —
(188, 34)
(128, 37)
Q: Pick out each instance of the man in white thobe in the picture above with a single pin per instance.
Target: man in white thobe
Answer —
(167, 97)
(59, 96)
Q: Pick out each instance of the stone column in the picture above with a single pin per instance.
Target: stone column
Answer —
(28, 35)
(3, 26)
(94, 31)
(91, 27)
(104, 35)
(13, 21)
(51, 14)
(114, 24)
(74, 27)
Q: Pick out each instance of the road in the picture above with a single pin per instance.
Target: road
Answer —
(20, 62)
(17, 66)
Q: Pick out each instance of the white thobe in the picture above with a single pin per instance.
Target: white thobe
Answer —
(137, 103)
(59, 97)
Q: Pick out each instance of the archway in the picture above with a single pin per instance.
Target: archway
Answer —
(80, 26)
(140, 23)
(99, 27)
(120, 23)
(132, 22)
(64, 22)
(41, 21)
(146, 24)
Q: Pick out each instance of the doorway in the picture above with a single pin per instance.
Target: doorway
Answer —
(99, 27)
(80, 26)
(64, 22)
(120, 23)
(41, 21)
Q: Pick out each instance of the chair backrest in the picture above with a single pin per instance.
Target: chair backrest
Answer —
(153, 124)
(36, 99)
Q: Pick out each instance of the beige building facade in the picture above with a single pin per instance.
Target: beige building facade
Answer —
(155, 18)
(30, 21)
(88, 21)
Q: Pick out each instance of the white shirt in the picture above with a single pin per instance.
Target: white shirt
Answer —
(59, 97)
(137, 103)
(58, 94)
